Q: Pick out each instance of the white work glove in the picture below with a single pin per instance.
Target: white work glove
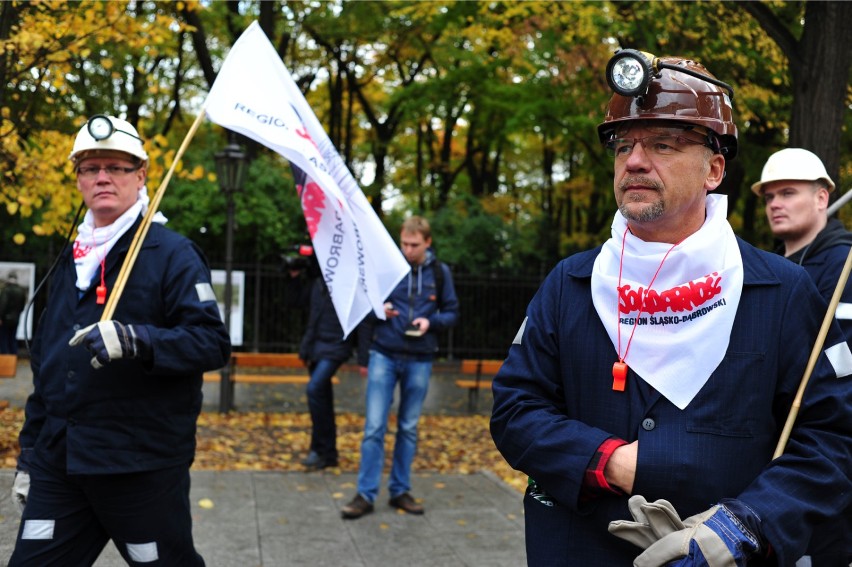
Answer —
(21, 489)
(111, 340)
(713, 538)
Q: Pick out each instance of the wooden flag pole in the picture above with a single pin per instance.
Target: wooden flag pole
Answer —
(142, 231)
(826, 323)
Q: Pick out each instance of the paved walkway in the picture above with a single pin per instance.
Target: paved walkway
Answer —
(272, 519)
(279, 519)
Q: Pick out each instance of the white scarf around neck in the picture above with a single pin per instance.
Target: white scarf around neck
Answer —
(684, 328)
(93, 244)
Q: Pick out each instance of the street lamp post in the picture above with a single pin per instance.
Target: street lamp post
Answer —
(230, 169)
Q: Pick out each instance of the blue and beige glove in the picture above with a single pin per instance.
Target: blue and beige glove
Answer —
(714, 538)
(111, 340)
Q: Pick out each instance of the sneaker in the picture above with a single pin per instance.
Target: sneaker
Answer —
(356, 508)
(406, 503)
(313, 462)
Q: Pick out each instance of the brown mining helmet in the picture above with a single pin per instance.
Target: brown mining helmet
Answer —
(669, 88)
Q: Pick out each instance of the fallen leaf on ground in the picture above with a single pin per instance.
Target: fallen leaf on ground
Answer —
(260, 441)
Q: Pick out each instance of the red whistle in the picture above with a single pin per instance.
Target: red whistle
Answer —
(619, 376)
(101, 293)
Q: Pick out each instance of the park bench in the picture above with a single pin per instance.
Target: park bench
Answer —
(8, 369)
(8, 365)
(476, 368)
(261, 363)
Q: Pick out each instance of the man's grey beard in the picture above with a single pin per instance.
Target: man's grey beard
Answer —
(652, 211)
(649, 213)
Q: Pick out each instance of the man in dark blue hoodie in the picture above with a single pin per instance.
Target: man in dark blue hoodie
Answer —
(402, 350)
(796, 189)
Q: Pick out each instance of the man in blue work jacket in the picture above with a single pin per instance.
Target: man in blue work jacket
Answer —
(796, 189)
(109, 434)
(647, 387)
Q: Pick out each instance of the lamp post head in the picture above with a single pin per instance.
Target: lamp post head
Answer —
(230, 167)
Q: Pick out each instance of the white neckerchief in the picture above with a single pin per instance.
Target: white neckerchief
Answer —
(93, 244)
(681, 337)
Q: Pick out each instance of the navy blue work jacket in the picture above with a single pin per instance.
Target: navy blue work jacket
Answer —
(823, 259)
(128, 416)
(554, 405)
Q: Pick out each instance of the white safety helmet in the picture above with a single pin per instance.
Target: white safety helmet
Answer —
(107, 133)
(793, 164)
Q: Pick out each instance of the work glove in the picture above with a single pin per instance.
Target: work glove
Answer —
(21, 489)
(652, 521)
(111, 340)
(713, 538)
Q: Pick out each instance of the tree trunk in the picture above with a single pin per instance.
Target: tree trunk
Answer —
(820, 82)
(819, 69)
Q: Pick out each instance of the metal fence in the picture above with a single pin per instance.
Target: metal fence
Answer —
(492, 309)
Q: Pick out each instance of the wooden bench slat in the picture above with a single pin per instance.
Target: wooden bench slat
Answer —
(491, 366)
(276, 379)
(8, 365)
(265, 378)
(265, 360)
(486, 366)
(484, 369)
(273, 360)
(482, 384)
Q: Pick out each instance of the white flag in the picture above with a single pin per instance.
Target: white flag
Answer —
(255, 96)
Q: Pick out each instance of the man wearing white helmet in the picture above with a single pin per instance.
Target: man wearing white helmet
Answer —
(796, 189)
(109, 432)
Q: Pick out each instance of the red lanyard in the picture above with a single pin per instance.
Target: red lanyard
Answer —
(619, 368)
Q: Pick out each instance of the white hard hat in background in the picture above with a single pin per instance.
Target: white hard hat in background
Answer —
(793, 164)
(102, 132)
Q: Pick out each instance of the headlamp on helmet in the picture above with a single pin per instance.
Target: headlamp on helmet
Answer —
(103, 133)
(629, 72)
(100, 128)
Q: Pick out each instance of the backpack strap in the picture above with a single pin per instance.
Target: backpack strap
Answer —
(439, 282)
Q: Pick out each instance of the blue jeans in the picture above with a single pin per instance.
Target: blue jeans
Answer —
(321, 406)
(382, 376)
